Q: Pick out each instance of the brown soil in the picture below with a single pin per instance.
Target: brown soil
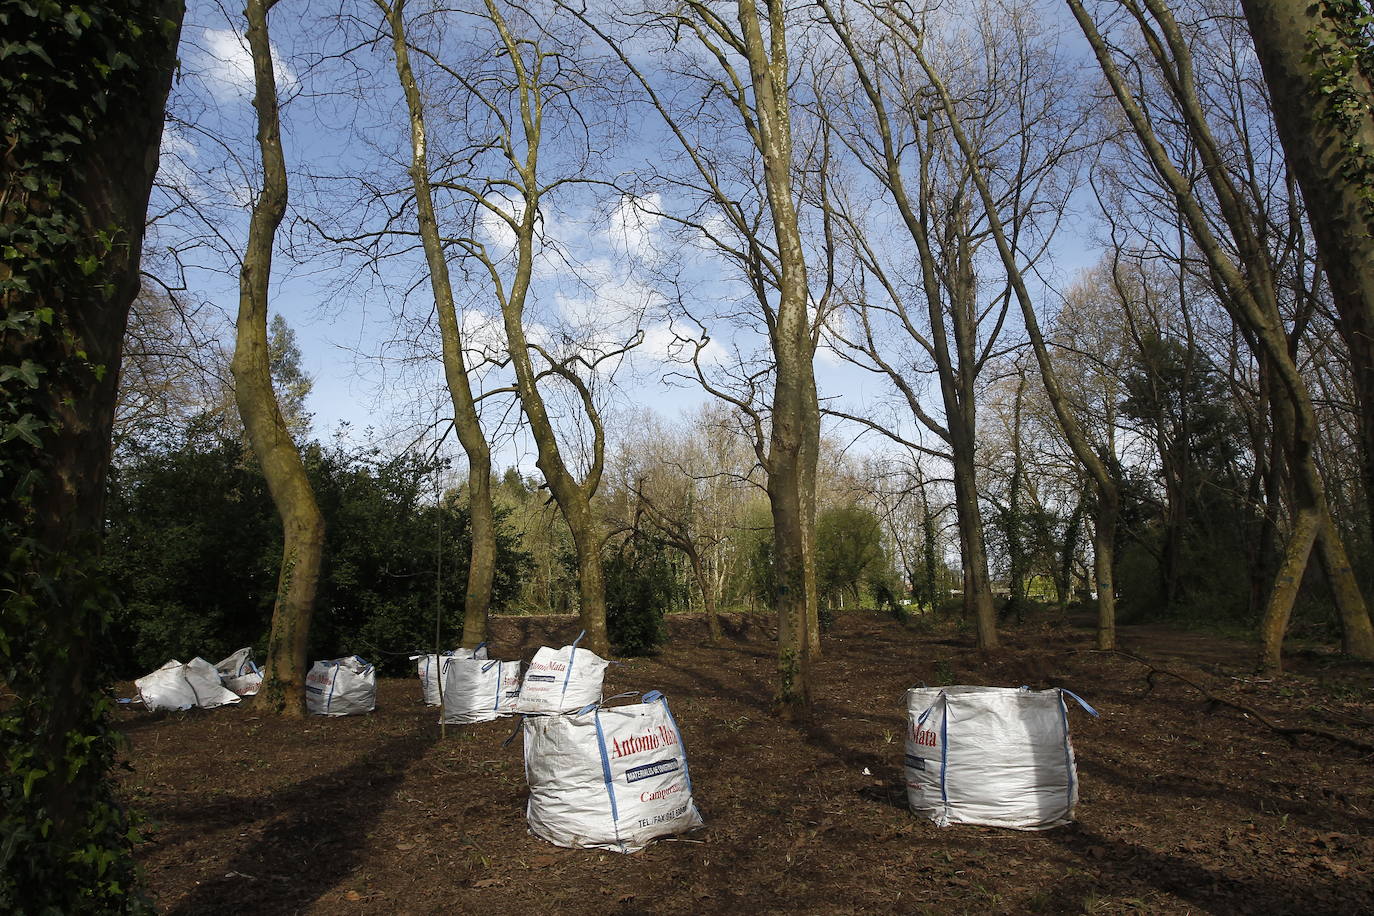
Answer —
(1184, 807)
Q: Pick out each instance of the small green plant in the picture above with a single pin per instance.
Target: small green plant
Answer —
(944, 672)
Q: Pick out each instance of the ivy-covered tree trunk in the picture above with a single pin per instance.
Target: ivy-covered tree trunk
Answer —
(82, 91)
(283, 687)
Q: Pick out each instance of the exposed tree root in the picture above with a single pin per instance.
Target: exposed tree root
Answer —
(1289, 732)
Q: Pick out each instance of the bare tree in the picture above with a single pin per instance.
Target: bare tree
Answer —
(937, 153)
(1248, 288)
(283, 689)
(1319, 68)
(466, 420)
(739, 56)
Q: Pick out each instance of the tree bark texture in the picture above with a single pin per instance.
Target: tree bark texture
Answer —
(466, 421)
(794, 439)
(57, 680)
(283, 688)
(1326, 125)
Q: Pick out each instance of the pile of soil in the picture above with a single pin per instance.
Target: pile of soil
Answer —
(1185, 805)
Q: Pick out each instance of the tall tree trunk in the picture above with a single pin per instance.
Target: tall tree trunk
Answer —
(1096, 465)
(1357, 636)
(708, 598)
(1317, 65)
(794, 439)
(977, 585)
(573, 497)
(73, 202)
(283, 688)
(482, 561)
(1104, 566)
(1249, 294)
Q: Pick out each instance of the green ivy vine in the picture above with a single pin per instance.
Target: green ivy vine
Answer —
(65, 841)
(1343, 58)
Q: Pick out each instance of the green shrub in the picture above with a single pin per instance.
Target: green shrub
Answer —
(641, 584)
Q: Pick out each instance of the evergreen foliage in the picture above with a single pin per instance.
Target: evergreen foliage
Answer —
(641, 585)
(192, 543)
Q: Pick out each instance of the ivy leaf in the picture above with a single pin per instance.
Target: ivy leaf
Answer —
(31, 777)
(26, 427)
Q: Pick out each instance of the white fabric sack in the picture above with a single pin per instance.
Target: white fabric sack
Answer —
(995, 756)
(236, 665)
(178, 686)
(239, 673)
(431, 669)
(561, 680)
(245, 685)
(341, 687)
(612, 778)
(479, 690)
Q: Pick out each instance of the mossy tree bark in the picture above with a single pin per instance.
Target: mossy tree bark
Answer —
(82, 109)
(283, 687)
(1249, 292)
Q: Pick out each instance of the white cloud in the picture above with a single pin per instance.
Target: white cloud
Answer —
(484, 337)
(635, 224)
(225, 61)
(494, 231)
(667, 344)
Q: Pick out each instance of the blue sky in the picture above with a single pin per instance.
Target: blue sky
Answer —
(357, 326)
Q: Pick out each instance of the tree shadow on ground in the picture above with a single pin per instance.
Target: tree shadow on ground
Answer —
(1122, 864)
(1179, 785)
(305, 849)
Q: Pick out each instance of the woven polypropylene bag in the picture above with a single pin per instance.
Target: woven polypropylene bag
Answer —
(341, 687)
(479, 690)
(995, 756)
(610, 778)
(431, 670)
(561, 680)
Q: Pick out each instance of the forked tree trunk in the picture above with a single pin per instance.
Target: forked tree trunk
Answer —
(283, 687)
(708, 598)
(1248, 294)
(482, 560)
(1326, 125)
(1357, 636)
(573, 497)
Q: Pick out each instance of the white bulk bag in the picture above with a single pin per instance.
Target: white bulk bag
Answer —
(246, 685)
(995, 756)
(612, 778)
(341, 687)
(561, 680)
(431, 669)
(178, 686)
(240, 663)
(239, 673)
(479, 690)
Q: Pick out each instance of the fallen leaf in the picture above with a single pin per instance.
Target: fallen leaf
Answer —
(405, 847)
(353, 895)
(487, 882)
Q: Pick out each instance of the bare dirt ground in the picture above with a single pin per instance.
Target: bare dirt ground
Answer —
(1185, 807)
